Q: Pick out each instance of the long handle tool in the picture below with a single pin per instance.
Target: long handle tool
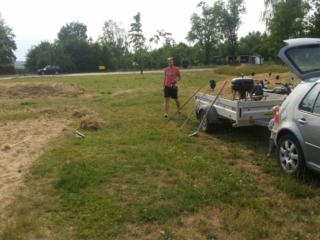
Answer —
(183, 105)
(195, 107)
(205, 116)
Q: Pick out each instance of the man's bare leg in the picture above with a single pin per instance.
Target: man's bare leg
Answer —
(178, 103)
(166, 105)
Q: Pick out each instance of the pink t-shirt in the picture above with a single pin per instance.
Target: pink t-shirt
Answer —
(171, 73)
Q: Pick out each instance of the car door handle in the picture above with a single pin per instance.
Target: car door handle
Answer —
(302, 121)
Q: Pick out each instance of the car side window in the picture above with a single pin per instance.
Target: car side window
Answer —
(316, 109)
(311, 102)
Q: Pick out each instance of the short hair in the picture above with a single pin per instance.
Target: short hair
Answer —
(170, 58)
(275, 108)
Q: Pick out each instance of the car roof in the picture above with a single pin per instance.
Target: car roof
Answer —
(302, 56)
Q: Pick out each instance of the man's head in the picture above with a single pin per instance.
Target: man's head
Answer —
(170, 61)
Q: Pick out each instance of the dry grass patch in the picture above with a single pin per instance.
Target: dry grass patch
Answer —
(92, 123)
(49, 111)
(82, 113)
(42, 89)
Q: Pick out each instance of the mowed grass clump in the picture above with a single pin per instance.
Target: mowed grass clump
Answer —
(140, 178)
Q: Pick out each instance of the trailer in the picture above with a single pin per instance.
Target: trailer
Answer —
(247, 110)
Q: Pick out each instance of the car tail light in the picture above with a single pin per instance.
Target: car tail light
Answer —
(276, 117)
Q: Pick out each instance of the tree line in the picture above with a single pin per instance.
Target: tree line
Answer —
(214, 32)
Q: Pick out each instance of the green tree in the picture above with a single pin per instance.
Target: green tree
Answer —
(313, 27)
(231, 23)
(288, 21)
(137, 39)
(74, 40)
(46, 53)
(205, 27)
(269, 5)
(74, 30)
(107, 58)
(252, 43)
(7, 43)
(115, 37)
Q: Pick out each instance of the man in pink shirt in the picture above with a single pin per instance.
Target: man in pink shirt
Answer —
(170, 85)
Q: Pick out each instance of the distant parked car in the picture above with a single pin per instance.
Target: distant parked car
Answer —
(297, 123)
(50, 69)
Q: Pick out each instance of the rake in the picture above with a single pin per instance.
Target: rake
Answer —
(205, 116)
(195, 107)
(183, 105)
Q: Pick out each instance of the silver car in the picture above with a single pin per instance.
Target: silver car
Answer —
(297, 122)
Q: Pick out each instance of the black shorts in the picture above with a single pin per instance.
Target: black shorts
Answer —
(171, 92)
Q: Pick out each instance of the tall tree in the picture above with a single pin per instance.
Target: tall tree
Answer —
(76, 44)
(269, 7)
(288, 21)
(7, 43)
(231, 23)
(205, 27)
(313, 27)
(137, 39)
(74, 30)
(115, 37)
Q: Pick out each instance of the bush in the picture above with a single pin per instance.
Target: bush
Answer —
(185, 63)
(7, 69)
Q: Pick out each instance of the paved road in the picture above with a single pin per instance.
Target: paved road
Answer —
(101, 73)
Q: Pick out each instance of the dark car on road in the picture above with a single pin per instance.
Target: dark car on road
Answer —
(297, 121)
(50, 69)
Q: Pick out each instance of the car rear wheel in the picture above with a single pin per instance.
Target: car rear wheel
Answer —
(57, 72)
(42, 73)
(205, 126)
(289, 155)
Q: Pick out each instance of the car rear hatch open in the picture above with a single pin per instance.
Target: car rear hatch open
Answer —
(302, 56)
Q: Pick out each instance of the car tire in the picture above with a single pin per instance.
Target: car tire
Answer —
(205, 126)
(57, 72)
(290, 156)
(42, 73)
(256, 91)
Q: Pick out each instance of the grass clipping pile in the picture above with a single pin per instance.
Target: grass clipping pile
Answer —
(24, 140)
(89, 120)
(40, 89)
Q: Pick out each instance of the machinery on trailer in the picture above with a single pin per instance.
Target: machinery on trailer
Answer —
(252, 107)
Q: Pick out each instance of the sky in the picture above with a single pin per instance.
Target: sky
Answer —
(33, 21)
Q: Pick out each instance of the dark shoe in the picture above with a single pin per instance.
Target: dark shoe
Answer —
(165, 116)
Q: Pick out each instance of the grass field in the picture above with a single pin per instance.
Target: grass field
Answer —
(139, 178)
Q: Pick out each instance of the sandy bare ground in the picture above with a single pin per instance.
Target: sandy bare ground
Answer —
(23, 141)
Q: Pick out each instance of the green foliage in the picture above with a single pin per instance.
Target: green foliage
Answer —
(313, 22)
(231, 22)
(73, 30)
(185, 63)
(7, 69)
(7, 43)
(205, 28)
(288, 21)
(252, 44)
(137, 38)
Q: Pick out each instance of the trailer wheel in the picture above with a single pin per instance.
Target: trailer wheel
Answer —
(256, 91)
(205, 126)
